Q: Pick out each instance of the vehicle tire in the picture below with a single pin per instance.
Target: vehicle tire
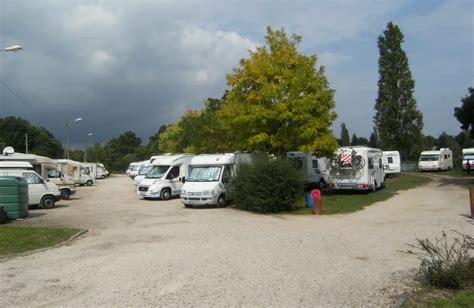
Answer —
(65, 194)
(221, 201)
(89, 183)
(165, 194)
(47, 202)
(102, 177)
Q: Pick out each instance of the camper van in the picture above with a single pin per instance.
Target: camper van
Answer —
(467, 155)
(145, 167)
(164, 180)
(40, 191)
(209, 176)
(75, 171)
(392, 162)
(132, 170)
(46, 167)
(314, 169)
(357, 168)
(436, 160)
(102, 173)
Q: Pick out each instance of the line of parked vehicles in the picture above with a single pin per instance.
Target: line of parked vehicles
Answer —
(49, 180)
(202, 180)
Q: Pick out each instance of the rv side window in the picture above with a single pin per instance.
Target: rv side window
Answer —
(390, 160)
(32, 178)
(380, 163)
(315, 164)
(174, 172)
(371, 163)
(226, 175)
(445, 156)
(53, 173)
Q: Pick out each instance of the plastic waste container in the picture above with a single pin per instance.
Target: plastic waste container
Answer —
(14, 196)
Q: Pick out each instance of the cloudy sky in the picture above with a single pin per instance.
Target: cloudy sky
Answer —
(136, 65)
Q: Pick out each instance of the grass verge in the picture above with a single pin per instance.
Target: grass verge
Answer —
(351, 201)
(428, 297)
(15, 239)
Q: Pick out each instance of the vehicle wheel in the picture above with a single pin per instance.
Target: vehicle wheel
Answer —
(89, 183)
(65, 194)
(221, 201)
(102, 177)
(47, 202)
(165, 194)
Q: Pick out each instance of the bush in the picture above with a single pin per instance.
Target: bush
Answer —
(267, 185)
(445, 264)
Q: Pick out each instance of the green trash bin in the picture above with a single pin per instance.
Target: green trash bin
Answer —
(14, 196)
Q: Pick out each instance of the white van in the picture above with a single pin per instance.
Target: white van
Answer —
(40, 191)
(132, 170)
(314, 168)
(102, 173)
(145, 167)
(209, 176)
(75, 171)
(468, 155)
(164, 180)
(436, 160)
(392, 162)
(357, 168)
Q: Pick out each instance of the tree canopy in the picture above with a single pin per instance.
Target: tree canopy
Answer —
(345, 139)
(465, 113)
(398, 121)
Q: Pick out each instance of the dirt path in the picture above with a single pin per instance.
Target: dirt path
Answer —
(153, 253)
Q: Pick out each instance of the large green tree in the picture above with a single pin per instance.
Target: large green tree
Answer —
(121, 150)
(345, 139)
(279, 100)
(399, 122)
(465, 113)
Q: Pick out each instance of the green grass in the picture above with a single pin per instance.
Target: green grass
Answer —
(15, 239)
(351, 201)
(441, 298)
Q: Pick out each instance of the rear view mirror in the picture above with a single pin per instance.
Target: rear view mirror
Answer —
(183, 179)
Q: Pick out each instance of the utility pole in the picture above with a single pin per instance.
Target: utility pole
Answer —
(26, 143)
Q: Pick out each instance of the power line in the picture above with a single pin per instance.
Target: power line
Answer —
(13, 92)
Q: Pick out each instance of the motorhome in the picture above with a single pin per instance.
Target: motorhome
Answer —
(145, 167)
(40, 191)
(468, 155)
(75, 171)
(91, 168)
(392, 162)
(357, 168)
(209, 176)
(46, 168)
(315, 169)
(164, 180)
(102, 173)
(436, 160)
(132, 170)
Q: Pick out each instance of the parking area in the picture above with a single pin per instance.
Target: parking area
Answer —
(141, 252)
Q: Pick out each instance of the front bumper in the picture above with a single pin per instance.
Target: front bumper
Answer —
(145, 192)
(198, 200)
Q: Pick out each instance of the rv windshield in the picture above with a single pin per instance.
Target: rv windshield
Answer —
(468, 156)
(204, 173)
(429, 157)
(157, 172)
(135, 168)
(144, 170)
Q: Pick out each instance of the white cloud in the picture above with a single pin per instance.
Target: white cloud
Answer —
(100, 61)
(90, 18)
(332, 59)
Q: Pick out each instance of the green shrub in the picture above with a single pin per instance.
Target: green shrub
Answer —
(446, 264)
(267, 185)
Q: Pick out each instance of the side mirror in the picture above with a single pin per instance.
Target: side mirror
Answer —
(169, 177)
(183, 179)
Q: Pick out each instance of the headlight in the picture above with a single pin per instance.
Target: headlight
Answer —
(208, 192)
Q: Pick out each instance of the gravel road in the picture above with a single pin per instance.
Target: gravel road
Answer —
(155, 253)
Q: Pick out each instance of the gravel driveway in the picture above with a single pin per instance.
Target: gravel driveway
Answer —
(154, 253)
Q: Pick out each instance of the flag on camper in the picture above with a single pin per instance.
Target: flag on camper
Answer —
(346, 158)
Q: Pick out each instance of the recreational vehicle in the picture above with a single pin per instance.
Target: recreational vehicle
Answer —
(467, 155)
(391, 162)
(75, 171)
(102, 173)
(164, 180)
(132, 170)
(209, 176)
(145, 167)
(357, 168)
(436, 160)
(314, 169)
(46, 168)
(40, 191)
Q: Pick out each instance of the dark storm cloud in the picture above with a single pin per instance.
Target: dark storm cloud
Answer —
(136, 65)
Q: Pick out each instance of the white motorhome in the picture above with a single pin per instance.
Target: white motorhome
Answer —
(164, 180)
(46, 167)
(145, 167)
(467, 155)
(75, 171)
(102, 173)
(132, 170)
(40, 191)
(91, 168)
(357, 168)
(315, 169)
(436, 160)
(392, 162)
(209, 176)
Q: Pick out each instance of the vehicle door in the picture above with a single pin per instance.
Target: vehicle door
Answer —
(226, 178)
(36, 187)
(174, 181)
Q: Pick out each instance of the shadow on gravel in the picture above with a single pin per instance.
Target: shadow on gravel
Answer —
(457, 181)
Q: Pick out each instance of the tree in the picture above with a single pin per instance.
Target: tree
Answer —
(345, 141)
(278, 100)
(121, 150)
(360, 141)
(397, 119)
(374, 139)
(465, 113)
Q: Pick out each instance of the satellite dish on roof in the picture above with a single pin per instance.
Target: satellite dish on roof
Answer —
(8, 151)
